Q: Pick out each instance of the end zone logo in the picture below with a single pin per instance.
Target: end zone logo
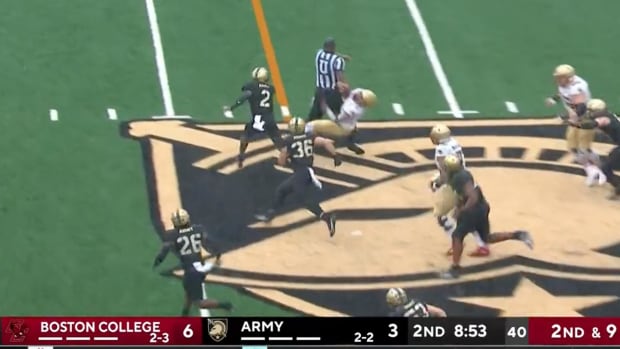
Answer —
(386, 233)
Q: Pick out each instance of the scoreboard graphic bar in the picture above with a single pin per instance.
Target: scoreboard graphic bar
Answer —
(49, 332)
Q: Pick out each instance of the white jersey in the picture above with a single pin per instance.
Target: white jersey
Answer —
(575, 87)
(351, 112)
(449, 147)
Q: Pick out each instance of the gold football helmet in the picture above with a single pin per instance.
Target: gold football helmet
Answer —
(563, 74)
(260, 74)
(452, 163)
(396, 296)
(564, 70)
(297, 126)
(596, 105)
(439, 132)
(180, 218)
(369, 98)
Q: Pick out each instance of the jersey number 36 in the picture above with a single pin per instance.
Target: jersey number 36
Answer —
(303, 149)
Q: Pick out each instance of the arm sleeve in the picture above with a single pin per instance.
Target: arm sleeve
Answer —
(339, 64)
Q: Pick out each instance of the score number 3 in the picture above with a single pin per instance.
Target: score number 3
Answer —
(393, 331)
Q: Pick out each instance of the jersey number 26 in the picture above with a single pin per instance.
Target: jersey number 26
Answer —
(191, 244)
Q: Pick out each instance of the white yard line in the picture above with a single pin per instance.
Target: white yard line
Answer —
(398, 109)
(204, 312)
(461, 111)
(160, 61)
(157, 117)
(112, 114)
(53, 115)
(512, 107)
(429, 47)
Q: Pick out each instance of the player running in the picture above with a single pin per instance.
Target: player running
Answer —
(599, 117)
(186, 240)
(472, 214)
(574, 93)
(445, 197)
(299, 153)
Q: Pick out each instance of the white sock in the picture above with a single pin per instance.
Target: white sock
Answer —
(591, 173)
(479, 240)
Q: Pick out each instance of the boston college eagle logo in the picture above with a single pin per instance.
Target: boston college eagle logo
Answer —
(387, 236)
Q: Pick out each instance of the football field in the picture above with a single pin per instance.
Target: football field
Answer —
(95, 162)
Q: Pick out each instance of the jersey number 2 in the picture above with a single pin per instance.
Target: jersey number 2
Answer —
(302, 149)
(265, 101)
(191, 244)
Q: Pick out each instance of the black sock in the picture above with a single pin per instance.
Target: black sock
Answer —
(316, 209)
(185, 311)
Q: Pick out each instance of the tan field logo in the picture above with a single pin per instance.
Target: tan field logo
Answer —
(387, 235)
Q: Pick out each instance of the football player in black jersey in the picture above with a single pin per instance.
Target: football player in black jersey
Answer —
(298, 151)
(186, 240)
(259, 94)
(402, 306)
(598, 116)
(472, 214)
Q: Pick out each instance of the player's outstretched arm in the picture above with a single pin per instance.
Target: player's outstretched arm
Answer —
(435, 311)
(244, 97)
(165, 248)
(282, 157)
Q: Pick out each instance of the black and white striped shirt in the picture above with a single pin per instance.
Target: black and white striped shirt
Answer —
(326, 65)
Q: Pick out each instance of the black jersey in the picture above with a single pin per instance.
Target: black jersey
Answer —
(613, 128)
(412, 309)
(261, 99)
(459, 179)
(187, 243)
(300, 150)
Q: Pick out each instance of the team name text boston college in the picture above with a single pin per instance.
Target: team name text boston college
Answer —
(100, 326)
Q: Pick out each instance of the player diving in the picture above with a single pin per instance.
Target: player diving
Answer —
(344, 125)
(401, 306)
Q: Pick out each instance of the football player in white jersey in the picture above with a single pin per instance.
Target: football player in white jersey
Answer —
(344, 124)
(445, 197)
(574, 93)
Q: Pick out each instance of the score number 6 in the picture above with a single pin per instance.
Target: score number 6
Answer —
(188, 332)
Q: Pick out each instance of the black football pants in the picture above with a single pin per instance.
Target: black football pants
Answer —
(332, 98)
(613, 161)
(301, 184)
(474, 219)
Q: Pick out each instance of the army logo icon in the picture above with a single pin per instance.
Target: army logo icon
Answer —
(218, 328)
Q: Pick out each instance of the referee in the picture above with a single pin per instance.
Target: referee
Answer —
(329, 66)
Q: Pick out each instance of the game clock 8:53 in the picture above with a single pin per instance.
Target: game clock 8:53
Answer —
(470, 331)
